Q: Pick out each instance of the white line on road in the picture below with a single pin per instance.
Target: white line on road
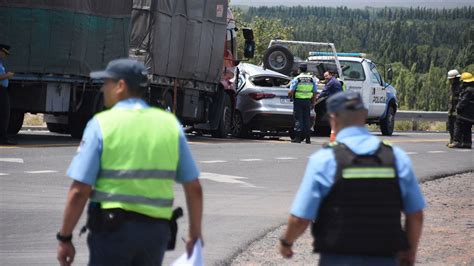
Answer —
(226, 179)
(286, 158)
(41, 172)
(215, 161)
(412, 153)
(3, 174)
(250, 160)
(436, 151)
(12, 160)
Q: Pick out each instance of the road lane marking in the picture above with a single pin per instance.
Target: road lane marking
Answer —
(250, 160)
(12, 160)
(412, 153)
(215, 161)
(3, 174)
(229, 179)
(436, 151)
(41, 172)
(285, 158)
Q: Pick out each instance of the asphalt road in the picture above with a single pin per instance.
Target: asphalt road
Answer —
(248, 184)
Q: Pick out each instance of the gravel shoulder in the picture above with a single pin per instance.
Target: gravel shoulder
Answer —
(447, 239)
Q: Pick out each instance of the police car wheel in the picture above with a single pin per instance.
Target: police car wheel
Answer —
(387, 124)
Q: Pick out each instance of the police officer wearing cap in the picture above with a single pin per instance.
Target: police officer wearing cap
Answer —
(455, 90)
(4, 98)
(353, 193)
(126, 165)
(303, 90)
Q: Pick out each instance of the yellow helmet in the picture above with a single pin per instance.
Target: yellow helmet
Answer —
(467, 77)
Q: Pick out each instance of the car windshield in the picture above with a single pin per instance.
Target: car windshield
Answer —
(352, 70)
(268, 81)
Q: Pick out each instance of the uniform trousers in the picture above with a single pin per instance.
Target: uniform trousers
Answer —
(134, 243)
(302, 114)
(329, 259)
(463, 132)
(4, 113)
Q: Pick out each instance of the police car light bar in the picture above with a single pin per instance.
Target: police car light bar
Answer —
(338, 54)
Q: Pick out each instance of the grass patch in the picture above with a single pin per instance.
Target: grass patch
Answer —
(415, 126)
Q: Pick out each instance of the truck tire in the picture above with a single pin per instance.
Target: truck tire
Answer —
(58, 128)
(239, 130)
(77, 124)
(15, 123)
(387, 124)
(225, 123)
(279, 59)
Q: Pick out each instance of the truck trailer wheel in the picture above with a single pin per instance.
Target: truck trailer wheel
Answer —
(225, 124)
(77, 124)
(16, 122)
(58, 128)
(387, 124)
(279, 59)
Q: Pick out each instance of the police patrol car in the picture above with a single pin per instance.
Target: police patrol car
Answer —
(353, 69)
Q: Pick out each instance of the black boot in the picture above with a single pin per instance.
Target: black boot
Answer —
(297, 138)
(308, 138)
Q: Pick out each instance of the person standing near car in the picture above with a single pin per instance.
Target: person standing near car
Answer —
(465, 114)
(332, 86)
(303, 90)
(4, 97)
(455, 90)
(127, 162)
(354, 191)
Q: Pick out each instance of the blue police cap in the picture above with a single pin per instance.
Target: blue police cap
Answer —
(132, 72)
(342, 101)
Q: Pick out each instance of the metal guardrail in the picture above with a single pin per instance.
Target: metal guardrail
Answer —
(421, 116)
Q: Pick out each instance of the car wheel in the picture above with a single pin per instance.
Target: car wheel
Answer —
(387, 124)
(239, 130)
(225, 124)
(77, 124)
(291, 131)
(279, 59)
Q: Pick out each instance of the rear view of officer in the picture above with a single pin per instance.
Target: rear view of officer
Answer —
(303, 90)
(355, 190)
(126, 165)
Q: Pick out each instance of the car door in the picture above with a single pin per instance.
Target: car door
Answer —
(377, 94)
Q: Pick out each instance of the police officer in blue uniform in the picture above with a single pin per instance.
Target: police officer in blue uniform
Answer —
(4, 98)
(353, 193)
(134, 239)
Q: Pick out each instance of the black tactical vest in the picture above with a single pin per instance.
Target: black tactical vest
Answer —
(361, 214)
